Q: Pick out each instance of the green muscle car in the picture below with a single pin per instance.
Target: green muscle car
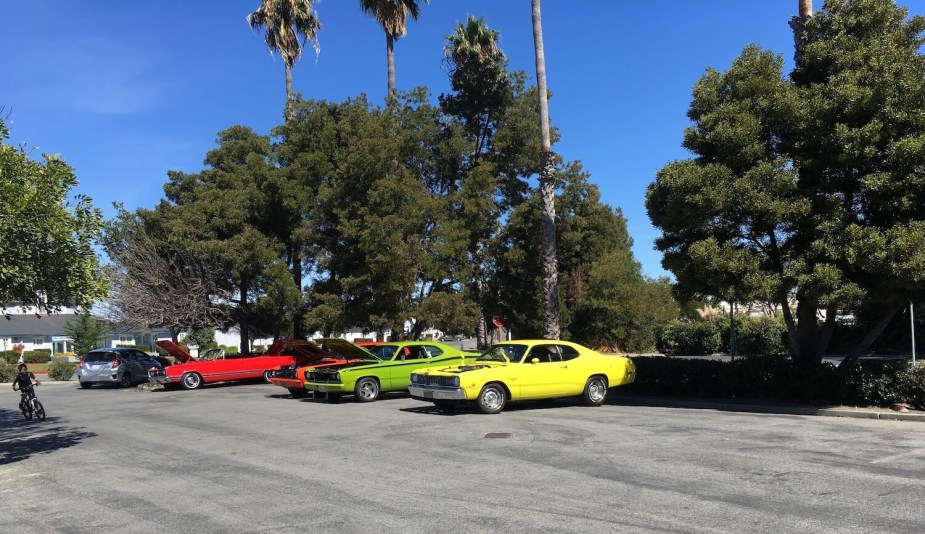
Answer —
(389, 369)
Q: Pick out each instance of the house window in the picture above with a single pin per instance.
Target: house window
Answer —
(127, 340)
(38, 341)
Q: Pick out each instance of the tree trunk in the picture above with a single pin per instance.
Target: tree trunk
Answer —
(174, 334)
(798, 24)
(244, 321)
(791, 327)
(298, 324)
(287, 114)
(390, 56)
(871, 335)
(550, 266)
(807, 332)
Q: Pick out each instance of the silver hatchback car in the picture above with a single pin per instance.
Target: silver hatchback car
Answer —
(115, 365)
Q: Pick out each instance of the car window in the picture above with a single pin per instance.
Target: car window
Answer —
(567, 352)
(384, 352)
(431, 351)
(544, 353)
(99, 356)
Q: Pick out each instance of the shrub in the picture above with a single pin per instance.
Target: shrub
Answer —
(61, 370)
(7, 371)
(697, 337)
(36, 356)
(8, 356)
(864, 384)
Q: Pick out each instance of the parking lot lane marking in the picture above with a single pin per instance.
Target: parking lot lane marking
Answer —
(898, 456)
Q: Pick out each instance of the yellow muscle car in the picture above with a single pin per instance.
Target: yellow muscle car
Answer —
(524, 370)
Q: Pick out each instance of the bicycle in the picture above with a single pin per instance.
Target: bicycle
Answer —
(29, 404)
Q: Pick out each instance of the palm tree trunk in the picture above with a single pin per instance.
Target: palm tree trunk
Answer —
(390, 56)
(547, 191)
(287, 114)
(798, 24)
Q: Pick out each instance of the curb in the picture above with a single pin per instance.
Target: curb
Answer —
(856, 413)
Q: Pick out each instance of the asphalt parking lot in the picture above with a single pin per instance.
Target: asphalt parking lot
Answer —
(247, 458)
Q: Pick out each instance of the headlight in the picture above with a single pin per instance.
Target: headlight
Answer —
(455, 381)
(415, 379)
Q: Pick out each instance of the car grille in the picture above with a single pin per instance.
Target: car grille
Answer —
(321, 377)
(438, 381)
(286, 372)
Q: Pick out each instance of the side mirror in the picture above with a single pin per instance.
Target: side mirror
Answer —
(535, 360)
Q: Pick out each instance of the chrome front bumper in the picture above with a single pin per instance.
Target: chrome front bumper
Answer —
(431, 393)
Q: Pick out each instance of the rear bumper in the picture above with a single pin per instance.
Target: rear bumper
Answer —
(430, 394)
(160, 378)
(99, 377)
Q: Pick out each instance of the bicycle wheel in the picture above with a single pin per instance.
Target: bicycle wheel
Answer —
(39, 409)
(24, 408)
(27, 411)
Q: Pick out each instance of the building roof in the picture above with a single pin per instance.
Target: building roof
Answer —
(20, 325)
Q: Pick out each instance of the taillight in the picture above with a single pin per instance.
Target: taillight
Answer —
(81, 363)
(116, 362)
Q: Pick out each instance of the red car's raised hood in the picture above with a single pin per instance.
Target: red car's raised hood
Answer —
(305, 352)
(175, 350)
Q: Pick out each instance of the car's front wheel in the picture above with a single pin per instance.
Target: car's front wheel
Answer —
(595, 391)
(492, 398)
(367, 389)
(191, 381)
(266, 376)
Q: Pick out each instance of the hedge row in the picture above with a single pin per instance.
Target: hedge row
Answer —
(9, 356)
(864, 384)
(7, 371)
(61, 370)
(760, 335)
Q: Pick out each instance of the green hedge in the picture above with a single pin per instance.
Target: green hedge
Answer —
(761, 335)
(864, 384)
(36, 356)
(61, 370)
(8, 356)
(7, 371)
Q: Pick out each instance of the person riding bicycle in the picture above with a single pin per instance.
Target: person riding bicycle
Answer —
(23, 382)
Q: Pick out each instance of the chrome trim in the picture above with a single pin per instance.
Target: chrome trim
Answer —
(432, 393)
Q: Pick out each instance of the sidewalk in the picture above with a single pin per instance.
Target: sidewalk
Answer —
(731, 405)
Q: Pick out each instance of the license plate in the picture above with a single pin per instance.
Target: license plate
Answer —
(427, 394)
(322, 389)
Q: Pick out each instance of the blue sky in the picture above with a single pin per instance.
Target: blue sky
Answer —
(125, 91)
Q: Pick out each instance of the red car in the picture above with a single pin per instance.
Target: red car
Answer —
(338, 352)
(192, 373)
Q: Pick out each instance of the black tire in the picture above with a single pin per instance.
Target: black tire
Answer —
(298, 393)
(126, 380)
(492, 398)
(191, 380)
(27, 411)
(86, 385)
(366, 389)
(595, 392)
(446, 406)
(39, 410)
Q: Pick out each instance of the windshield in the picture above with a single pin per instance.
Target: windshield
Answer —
(504, 353)
(211, 354)
(95, 357)
(384, 352)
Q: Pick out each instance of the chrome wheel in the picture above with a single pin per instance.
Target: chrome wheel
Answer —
(492, 398)
(595, 391)
(191, 381)
(367, 389)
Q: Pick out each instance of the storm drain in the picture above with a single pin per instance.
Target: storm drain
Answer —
(498, 435)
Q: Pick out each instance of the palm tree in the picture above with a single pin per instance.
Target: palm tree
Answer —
(392, 16)
(547, 190)
(284, 21)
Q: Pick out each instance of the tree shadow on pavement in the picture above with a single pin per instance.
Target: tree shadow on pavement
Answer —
(21, 439)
